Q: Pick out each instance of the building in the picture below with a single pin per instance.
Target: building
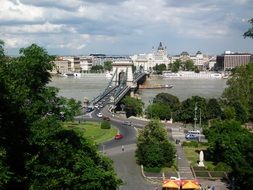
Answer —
(148, 61)
(61, 66)
(86, 63)
(200, 60)
(75, 63)
(230, 60)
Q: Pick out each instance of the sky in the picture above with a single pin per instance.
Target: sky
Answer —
(126, 27)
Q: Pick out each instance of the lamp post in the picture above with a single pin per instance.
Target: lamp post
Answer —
(195, 118)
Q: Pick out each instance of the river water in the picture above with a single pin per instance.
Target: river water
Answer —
(91, 85)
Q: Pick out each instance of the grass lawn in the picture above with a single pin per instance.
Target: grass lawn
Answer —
(192, 154)
(92, 131)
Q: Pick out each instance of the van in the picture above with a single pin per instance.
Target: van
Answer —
(196, 132)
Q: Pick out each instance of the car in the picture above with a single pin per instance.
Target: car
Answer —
(118, 136)
(129, 123)
(100, 115)
(191, 136)
(106, 118)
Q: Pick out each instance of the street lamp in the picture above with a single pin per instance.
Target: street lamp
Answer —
(195, 118)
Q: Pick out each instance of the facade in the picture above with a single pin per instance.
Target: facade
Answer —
(230, 60)
(61, 66)
(86, 63)
(200, 60)
(75, 63)
(148, 61)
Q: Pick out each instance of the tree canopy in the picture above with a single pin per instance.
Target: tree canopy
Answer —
(153, 146)
(239, 93)
(229, 142)
(133, 106)
(36, 152)
(167, 99)
(108, 65)
(249, 33)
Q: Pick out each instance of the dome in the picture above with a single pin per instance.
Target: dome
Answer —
(160, 47)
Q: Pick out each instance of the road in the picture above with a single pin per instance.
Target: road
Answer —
(124, 161)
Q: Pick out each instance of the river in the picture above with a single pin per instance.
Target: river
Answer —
(91, 85)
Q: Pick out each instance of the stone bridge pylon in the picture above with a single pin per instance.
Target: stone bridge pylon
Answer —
(123, 70)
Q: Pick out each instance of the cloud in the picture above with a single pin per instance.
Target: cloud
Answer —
(98, 25)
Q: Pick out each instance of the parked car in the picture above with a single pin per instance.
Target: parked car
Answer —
(99, 115)
(191, 136)
(118, 136)
(129, 123)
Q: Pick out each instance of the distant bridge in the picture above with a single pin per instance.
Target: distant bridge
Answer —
(124, 81)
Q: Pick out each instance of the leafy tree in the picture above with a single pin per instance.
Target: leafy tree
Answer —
(158, 110)
(232, 144)
(108, 65)
(133, 106)
(249, 33)
(167, 99)
(188, 65)
(35, 151)
(96, 68)
(176, 66)
(213, 109)
(186, 112)
(240, 91)
(153, 147)
(159, 68)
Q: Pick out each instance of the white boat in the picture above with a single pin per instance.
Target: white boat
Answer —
(216, 75)
(71, 74)
(171, 75)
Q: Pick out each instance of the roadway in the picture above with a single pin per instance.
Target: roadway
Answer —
(124, 161)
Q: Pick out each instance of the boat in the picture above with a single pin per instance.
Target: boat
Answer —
(171, 75)
(157, 86)
(71, 74)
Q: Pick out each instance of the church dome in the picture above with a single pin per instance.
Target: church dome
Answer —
(160, 47)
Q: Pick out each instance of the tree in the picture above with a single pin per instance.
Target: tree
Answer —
(232, 144)
(153, 147)
(108, 65)
(133, 106)
(159, 68)
(36, 152)
(158, 110)
(213, 109)
(188, 65)
(96, 68)
(176, 66)
(240, 90)
(167, 99)
(186, 112)
(249, 33)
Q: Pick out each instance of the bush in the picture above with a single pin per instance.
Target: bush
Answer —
(105, 125)
(222, 167)
(190, 144)
(152, 170)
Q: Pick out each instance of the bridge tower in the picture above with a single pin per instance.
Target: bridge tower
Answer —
(124, 72)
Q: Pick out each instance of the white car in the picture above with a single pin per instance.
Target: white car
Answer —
(99, 115)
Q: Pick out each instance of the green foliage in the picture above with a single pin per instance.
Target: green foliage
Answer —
(108, 65)
(133, 106)
(239, 93)
(153, 147)
(152, 170)
(176, 66)
(188, 65)
(190, 144)
(159, 68)
(213, 109)
(35, 151)
(105, 125)
(97, 69)
(167, 99)
(159, 110)
(187, 109)
(233, 145)
(249, 33)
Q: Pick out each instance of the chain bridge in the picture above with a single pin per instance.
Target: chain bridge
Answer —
(123, 82)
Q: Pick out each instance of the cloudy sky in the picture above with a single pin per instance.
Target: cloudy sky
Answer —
(74, 27)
